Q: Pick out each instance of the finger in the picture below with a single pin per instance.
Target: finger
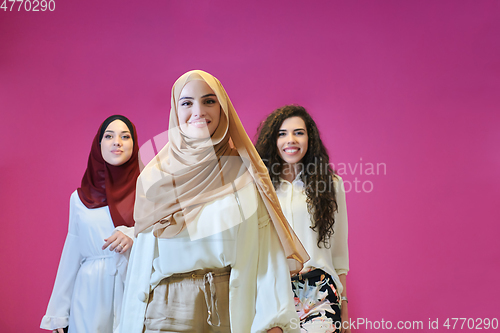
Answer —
(113, 245)
(106, 244)
(119, 248)
(122, 248)
(343, 328)
(112, 238)
(109, 240)
(125, 246)
(128, 245)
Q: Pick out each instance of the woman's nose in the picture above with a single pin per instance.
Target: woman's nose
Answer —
(198, 111)
(291, 138)
(117, 142)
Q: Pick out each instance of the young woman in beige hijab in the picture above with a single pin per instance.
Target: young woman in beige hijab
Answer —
(212, 242)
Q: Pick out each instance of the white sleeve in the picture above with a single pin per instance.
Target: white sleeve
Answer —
(57, 315)
(339, 247)
(128, 231)
(274, 298)
(137, 288)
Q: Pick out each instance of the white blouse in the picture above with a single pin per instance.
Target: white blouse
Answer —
(89, 285)
(221, 235)
(333, 260)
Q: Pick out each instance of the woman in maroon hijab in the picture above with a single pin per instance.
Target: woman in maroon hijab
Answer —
(88, 291)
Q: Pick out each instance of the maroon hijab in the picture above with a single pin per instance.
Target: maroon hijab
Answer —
(104, 184)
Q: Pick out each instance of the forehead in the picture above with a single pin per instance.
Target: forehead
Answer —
(196, 88)
(293, 123)
(117, 126)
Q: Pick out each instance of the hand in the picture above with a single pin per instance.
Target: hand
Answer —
(118, 242)
(306, 270)
(344, 316)
(58, 330)
(275, 330)
(303, 271)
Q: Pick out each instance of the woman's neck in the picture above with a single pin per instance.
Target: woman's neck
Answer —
(290, 171)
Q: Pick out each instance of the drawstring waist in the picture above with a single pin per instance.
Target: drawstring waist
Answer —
(207, 276)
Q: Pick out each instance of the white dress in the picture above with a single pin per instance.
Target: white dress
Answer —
(260, 296)
(88, 290)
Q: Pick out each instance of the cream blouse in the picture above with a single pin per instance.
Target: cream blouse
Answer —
(223, 234)
(333, 260)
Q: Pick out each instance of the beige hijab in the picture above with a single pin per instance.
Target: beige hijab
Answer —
(188, 173)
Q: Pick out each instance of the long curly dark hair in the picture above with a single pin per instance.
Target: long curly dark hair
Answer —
(317, 173)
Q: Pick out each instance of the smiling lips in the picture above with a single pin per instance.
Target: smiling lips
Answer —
(117, 151)
(291, 150)
(199, 123)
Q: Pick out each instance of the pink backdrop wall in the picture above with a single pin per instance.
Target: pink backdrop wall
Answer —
(410, 84)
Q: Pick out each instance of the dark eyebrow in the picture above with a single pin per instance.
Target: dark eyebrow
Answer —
(297, 129)
(207, 95)
(114, 131)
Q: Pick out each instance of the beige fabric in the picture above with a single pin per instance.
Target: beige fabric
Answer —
(188, 173)
(190, 302)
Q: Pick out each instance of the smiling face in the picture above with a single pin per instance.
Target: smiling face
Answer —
(117, 144)
(292, 140)
(198, 110)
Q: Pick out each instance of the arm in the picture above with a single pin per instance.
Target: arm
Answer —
(57, 315)
(275, 310)
(260, 288)
(339, 246)
(340, 251)
(136, 294)
(344, 313)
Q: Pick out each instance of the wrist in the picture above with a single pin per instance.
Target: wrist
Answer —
(344, 299)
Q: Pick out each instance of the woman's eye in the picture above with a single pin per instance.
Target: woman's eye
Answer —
(125, 137)
(186, 103)
(107, 136)
(299, 133)
(210, 101)
(281, 134)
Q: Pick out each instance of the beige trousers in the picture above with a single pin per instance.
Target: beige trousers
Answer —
(191, 302)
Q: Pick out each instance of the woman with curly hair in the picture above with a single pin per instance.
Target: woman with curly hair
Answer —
(312, 197)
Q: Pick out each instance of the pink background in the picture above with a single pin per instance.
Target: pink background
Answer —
(412, 84)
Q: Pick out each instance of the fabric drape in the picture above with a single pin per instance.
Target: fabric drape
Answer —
(104, 184)
(188, 173)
